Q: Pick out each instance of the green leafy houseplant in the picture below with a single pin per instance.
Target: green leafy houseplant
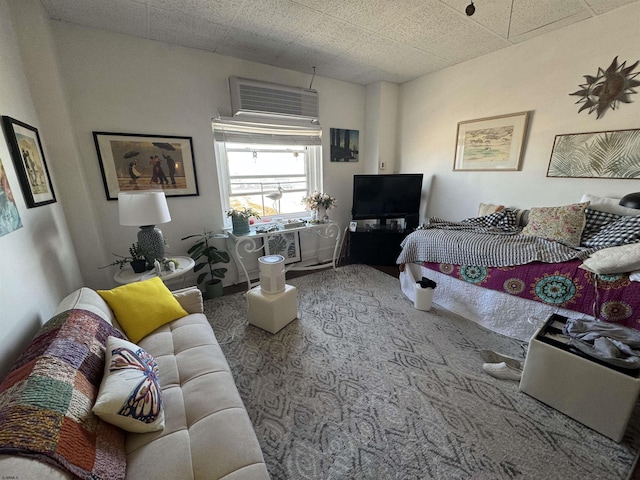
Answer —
(136, 258)
(244, 213)
(208, 256)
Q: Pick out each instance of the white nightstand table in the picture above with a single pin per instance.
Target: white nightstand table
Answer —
(127, 275)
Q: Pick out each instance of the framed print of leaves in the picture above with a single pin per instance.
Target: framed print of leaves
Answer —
(613, 154)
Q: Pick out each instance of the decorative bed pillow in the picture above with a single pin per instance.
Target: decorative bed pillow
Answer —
(142, 307)
(621, 232)
(46, 399)
(625, 258)
(505, 219)
(562, 224)
(488, 208)
(130, 395)
(595, 221)
(609, 205)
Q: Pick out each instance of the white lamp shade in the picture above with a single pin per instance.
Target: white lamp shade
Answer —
(144, 208)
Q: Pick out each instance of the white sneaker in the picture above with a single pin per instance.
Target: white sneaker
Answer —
(490, 356)
(502, 370)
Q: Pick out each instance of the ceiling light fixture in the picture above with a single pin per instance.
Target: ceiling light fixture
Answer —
(471, 9)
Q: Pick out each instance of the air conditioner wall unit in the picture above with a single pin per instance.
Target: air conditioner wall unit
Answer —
(257, 98)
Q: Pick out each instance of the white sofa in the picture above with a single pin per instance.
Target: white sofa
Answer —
(207, 434)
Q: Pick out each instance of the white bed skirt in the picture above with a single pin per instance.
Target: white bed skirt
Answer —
(498, 311)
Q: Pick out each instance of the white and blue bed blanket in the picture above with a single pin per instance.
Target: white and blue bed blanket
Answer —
(472, 242)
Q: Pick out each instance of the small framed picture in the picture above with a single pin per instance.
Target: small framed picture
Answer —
(28, 158)
(285, 244)
(353, 226)
(132, 162)
(493, 143)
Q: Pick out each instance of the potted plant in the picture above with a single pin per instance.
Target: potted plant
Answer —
(240, 219)
(208, 255)
(136, 259)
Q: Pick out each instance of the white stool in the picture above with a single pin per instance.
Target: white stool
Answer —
(272, 312)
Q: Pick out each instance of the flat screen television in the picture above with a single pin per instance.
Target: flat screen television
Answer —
(387, 196)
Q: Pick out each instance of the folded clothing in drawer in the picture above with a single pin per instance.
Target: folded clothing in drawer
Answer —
(597, 394)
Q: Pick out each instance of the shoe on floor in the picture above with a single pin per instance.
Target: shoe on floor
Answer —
(490, 356)
(502, 370)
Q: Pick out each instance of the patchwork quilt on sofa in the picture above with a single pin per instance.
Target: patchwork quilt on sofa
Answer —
(46, 400)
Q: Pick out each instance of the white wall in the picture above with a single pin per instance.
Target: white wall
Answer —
(39, 266)
(537, 76)
(123, 84)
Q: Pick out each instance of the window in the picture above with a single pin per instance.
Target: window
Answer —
(267, 167)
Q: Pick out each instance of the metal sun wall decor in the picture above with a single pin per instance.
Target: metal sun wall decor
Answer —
(608, 88)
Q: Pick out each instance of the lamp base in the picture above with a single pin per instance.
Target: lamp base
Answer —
(151, 242)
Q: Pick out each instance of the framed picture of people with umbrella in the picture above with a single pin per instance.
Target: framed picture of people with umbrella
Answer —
(136, 162)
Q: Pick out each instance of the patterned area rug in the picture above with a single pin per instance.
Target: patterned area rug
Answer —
(363, 386)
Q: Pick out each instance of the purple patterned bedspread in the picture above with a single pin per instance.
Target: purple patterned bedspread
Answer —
(614, 298)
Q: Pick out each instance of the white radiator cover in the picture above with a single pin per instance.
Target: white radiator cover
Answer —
(258, 98)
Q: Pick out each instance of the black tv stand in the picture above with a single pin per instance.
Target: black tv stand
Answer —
(376, 244)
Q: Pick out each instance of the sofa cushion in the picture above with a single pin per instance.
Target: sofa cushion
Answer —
(141, 307)
(130, 395)
(86, 299)
(46, 399)
(208, 433)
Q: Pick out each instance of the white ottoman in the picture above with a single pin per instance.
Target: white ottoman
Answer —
(272, 312)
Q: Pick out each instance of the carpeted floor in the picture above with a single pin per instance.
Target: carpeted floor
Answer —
(363, 386)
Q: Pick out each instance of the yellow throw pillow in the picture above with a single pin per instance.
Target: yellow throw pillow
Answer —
(141, 307)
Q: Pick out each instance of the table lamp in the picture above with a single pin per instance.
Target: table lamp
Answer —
(145, 210)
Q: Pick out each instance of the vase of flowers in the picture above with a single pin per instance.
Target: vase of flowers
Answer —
(319, 203)
(240, 219)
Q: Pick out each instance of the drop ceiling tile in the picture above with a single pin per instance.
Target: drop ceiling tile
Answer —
(251, 46)
(302, 59)
(367, 14)
(345, 69)
(438, 32)
(121, 16)
(276, 19)
(390, 56)
(185, 30)
(332, 36)
(216, 11)
(493, 15)
(530, 16)
(603, 6)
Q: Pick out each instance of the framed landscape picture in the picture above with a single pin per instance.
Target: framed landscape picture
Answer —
(28, 159)
(492, 143)
(135, 162)
(285, 244)
(613, 154)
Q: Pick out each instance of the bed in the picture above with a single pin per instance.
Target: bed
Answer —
(508, 270)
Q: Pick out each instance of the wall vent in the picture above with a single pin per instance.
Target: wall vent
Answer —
(253, 97)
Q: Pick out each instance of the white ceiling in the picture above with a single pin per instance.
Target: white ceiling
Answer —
(359, 41)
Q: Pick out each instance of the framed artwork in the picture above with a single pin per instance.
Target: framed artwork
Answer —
(28, 159)
(612, 154)
(135, 162)
(9, 216)
(493, 143)
(285, 244)
(344, 145)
